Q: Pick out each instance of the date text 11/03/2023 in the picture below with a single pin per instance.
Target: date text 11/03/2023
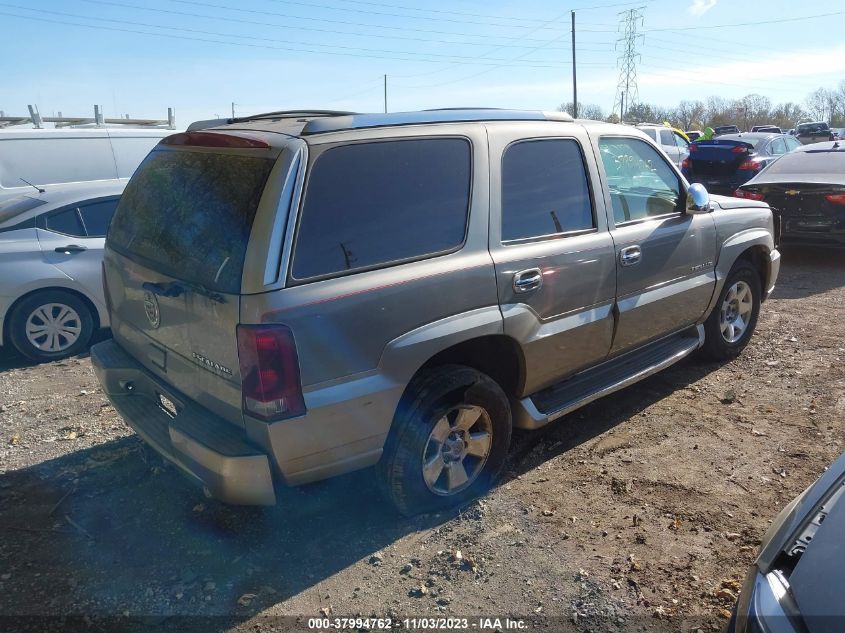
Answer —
(417, 624)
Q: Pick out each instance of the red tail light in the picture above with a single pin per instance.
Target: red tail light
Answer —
(740, 149)
(748, 195)
(215, 139)
(685, 164)
(836, 198)
(270, 372)
(693, 148)
(750, 165)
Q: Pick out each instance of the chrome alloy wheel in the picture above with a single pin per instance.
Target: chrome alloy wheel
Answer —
(53, 327)
(735, 313)
(457, 449)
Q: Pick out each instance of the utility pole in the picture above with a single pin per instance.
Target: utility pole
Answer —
(622, 106)
(385, 94)
(233, 109)
(574, 76)
(627, 86)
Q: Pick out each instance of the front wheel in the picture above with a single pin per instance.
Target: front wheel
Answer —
(449, 440)
(731, 324)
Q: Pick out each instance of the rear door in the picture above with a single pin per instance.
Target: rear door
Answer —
(174, 261)
(670, 146)
(664, 257)
(72, 239)
(553, 255)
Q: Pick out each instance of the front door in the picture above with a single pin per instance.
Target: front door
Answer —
(553, 255)
(665, 258)
(72, 240)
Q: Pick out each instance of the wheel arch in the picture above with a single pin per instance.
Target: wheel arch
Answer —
(92, 308)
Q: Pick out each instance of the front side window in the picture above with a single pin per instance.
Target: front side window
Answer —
(641, 183)
(382, 203)
(683, 144)
(544, 190)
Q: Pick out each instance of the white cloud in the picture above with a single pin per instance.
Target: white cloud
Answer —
(700, 7)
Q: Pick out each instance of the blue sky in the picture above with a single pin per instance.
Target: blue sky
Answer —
(139, 57)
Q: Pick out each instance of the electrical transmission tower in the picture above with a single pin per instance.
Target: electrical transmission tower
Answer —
(627, 94)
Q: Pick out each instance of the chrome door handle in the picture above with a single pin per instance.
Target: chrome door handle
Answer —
(630, 255)
(527, 280)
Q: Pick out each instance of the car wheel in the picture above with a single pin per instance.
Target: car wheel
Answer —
(51, 325)
(731, 324)
(448, 442)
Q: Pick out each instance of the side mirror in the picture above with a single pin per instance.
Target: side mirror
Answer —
(698, 200)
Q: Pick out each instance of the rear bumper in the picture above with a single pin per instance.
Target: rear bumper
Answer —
(209, 449)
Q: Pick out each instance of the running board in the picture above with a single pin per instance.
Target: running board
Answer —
(581, 389)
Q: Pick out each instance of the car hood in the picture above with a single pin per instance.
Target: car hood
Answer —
(818, 581)
(727, 202)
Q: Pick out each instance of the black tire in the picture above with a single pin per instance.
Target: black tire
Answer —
(22, 311)
(716, 347)
(432, 395)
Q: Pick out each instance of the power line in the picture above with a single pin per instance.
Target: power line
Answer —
(755, 23)
(487, 37)
(250, 37)
(266, 46)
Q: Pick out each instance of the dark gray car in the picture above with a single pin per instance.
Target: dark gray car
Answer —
(297, 295)
(797, 582)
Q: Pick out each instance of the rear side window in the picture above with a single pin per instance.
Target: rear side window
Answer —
(666, 137)
(544, 190)
(97, 216)
(777, 147)
(66, 222)
(373, 204)
(189, 215)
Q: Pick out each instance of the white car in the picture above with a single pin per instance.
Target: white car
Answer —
(51, 251)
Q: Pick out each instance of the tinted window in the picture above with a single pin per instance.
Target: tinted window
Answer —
(777, 147)
(96, 217)
(378, 203)
(666, 137)
(544, 189)
(66, 222)
(189, 215)
(640, 180)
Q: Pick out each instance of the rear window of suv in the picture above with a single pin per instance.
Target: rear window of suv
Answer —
(189, 215)
(380, 203)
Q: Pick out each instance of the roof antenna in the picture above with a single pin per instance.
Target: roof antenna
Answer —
(37, 188)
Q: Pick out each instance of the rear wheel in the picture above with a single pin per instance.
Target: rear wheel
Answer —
(50, 325)
(734, 318)
(449, 440)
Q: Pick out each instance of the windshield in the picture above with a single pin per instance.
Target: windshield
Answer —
(189, 214)
(14, 207)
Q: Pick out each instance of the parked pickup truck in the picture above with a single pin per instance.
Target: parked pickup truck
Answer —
(297, 295)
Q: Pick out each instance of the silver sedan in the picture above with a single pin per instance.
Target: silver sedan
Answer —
(51, 250)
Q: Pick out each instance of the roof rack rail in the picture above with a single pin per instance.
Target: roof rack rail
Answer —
(450, 115)
(98, 120)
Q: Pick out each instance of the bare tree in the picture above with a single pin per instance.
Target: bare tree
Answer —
(689, 114)
(818, 104)
(585, 111)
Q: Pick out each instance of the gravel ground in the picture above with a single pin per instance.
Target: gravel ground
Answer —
(639, 512)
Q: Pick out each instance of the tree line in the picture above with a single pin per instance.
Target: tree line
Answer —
(823, 104)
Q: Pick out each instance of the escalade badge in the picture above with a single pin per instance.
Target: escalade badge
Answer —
(792, 192)
(210, 364)
(151, 309)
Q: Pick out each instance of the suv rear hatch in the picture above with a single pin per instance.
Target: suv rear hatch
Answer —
(174, 261)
